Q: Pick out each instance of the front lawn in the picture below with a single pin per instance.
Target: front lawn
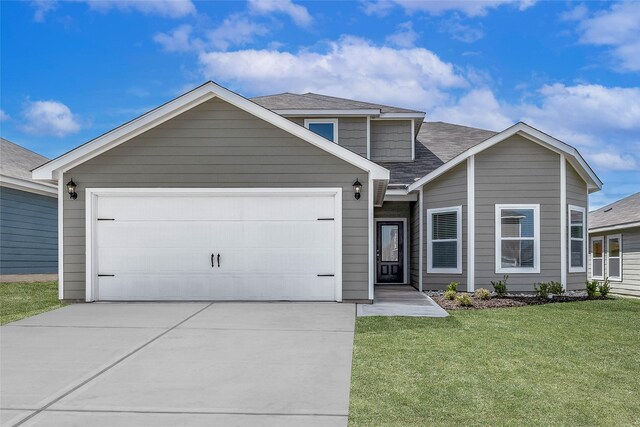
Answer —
(20, 300)
(570, 364)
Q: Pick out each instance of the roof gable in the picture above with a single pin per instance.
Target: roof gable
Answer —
(183, 103)
(16, 163)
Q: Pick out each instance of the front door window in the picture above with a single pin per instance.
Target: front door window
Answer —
(390, 252)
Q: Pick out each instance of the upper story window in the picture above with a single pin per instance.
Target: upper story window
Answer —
(326, 128)
(577, 231)
(517, 238)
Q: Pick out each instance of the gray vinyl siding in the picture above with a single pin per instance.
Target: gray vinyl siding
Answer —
(577, 195)
(216, 145)
(398, 210)
(517, 171)
(352, 133)
(448, 190)
(391, 140)
(630, 284)
(414, 244)
(28, 232)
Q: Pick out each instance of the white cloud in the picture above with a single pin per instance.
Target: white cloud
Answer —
(405, 36)
(178, 40)
(614, 161)
(467, 7)
(377, 8)
(4, 116)
(49, 118)
(460, 31)
(235, 30)
(478, 108)
(299, 14)
(617, 27)
(167, 8)
(351, 67)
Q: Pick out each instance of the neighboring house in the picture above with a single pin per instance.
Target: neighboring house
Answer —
(310, 197)
(614, 249)
(28, 216)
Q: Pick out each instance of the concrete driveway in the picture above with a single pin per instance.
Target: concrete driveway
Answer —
(187, 364)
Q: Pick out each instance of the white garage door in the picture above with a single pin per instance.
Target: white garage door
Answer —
(216, 246)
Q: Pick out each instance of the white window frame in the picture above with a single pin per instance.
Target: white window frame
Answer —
(308, 122)
(536, 239)
(583, 211)
(611, 237)
(430, 241)
(593, 239)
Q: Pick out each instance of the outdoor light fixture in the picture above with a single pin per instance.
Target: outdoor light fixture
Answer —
(357, 188)
(71, 189)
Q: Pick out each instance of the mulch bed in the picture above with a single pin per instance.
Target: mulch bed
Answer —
(507, 301)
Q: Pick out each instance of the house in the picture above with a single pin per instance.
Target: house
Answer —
(614, 249)
(28, 217)
(310, 197)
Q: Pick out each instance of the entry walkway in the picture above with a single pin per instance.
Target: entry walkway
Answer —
(400, 300)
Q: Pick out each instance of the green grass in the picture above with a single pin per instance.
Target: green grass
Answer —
(569, 364)
(20, 300)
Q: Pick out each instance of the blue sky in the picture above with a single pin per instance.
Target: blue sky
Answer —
(73, 70)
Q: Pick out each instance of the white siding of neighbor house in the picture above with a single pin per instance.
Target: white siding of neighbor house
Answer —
(630, 284)
(216, 145)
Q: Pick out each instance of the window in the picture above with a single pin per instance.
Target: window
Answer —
(326, 128)
(614, 257)
(517, 239)
(577, 229)
(597, 258)
(444, 240)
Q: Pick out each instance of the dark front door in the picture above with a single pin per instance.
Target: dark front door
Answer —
(390, 252)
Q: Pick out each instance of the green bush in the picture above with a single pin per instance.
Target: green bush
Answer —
(556, 288)
(464, 300)
(450, 295)
(542, 290)
(592, 289)
(453, 286)
(500, 287)
(482, 293)
(604, 288)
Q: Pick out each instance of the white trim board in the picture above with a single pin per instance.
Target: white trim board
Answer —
(42, 188)
(614, 227)
(405, 249)
(92, 195)
(471, 224)
(61, 193)
(528, 132)
(563, 221)
(203, 93)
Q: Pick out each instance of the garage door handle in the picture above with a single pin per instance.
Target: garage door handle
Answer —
(218, 260)
(212, 260)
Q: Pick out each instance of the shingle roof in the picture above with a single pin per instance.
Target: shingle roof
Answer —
(314, 101)
(17, 161)
(436, 144)
(622, 212)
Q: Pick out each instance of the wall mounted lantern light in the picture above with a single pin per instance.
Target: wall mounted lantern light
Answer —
(71, 189)
(357, 189)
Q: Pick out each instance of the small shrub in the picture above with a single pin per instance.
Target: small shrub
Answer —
(556, 288)
(453, 286)
(604, 288)
(482, 293)
(542, 290)
(464, 300)
(450, 295)
(500, 287)
(592, 289)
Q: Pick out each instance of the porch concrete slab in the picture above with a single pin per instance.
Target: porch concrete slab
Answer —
(10, 417)
(115, 315)
(253, 371)
(115, 419)
(397, 300)
(275, 316)
(39, 363)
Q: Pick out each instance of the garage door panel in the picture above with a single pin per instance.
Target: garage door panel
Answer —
(136, 287)
(153, 247)
(223, 208)
(209, 235)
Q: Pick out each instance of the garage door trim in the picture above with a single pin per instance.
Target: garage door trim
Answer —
(92, 195)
